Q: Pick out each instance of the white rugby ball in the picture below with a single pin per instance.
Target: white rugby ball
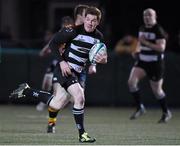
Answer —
(96, 48)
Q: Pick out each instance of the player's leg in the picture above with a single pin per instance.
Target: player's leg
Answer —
(77, 93)
(46, 86)
(25, 91)
(47, 82)
(55, 102)
(135, 76)
(60, 99)
(161, 97)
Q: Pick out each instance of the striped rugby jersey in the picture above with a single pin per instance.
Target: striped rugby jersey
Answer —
(151, 34)
(78, 44)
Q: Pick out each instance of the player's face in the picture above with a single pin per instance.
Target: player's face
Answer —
(90, 22)
(149, 18)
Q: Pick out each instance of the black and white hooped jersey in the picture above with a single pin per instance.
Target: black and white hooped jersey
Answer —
(78, 44)
(147, 54)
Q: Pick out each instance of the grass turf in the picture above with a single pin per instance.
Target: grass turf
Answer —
(111, 126)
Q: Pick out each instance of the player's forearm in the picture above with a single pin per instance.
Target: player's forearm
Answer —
(154, 46)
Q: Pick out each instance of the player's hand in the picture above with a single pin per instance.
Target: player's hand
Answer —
(92, 69)
(143, 40)
(101, 58)
(135, 55)
(65, 68)
(44, 51)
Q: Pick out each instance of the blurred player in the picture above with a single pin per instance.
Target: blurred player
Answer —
(150, 63)
(79, 41)
(66, 21)
(127, 45)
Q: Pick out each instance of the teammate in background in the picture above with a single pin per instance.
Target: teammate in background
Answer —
(79, 41)
(150, 63)
(66, 21)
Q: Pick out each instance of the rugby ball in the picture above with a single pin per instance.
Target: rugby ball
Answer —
(97, 48)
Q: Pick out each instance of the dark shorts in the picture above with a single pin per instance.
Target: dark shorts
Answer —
(154, 70)
(66, 81)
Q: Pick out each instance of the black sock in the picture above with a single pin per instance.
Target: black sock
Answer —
(52, 112)
(137, 98)
(43, 96)
(79, 119)
(52, 115)
(163, 104)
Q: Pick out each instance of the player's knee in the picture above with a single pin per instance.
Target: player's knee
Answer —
(79, 100)
(54, 106)
(57, 103)
(159, 94)
(132, 85)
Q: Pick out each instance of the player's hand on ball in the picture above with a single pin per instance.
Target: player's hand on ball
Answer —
(101, 58)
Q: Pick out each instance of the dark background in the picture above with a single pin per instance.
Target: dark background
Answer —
(27, 20)
(23, 24)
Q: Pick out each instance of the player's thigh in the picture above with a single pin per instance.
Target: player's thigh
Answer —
(61, 97)
(47, 81)
(59, 91)
(156, 85)
(76, 91)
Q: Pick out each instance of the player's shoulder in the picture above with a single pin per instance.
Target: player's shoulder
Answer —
(160, 31)
(71, 29)
(159, 27)
(67, 29)
(78, 28)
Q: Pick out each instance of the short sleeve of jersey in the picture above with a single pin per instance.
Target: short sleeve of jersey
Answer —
(160, 33)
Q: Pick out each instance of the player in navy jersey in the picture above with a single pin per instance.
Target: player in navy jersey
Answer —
(47, 85)
(72, 61)
(150, 63)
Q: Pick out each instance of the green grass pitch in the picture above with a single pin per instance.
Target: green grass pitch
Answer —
(111, 126)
